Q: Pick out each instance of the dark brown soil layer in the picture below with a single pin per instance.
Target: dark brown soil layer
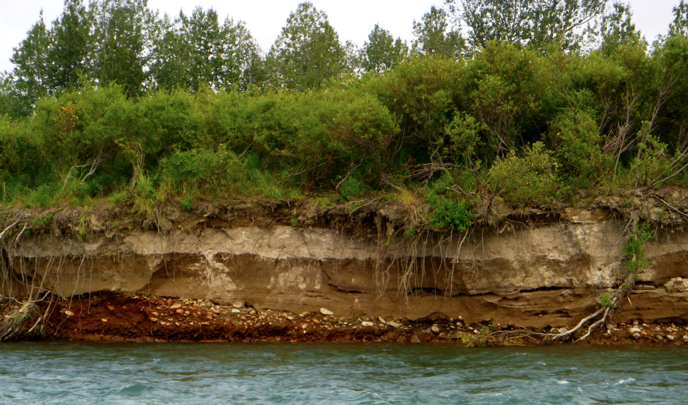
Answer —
(150, 319)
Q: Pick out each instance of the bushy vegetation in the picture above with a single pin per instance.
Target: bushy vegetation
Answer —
(445, 121)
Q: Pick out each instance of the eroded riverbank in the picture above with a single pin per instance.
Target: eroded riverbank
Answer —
(262, 270)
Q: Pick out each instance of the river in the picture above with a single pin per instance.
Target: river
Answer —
(114, 373)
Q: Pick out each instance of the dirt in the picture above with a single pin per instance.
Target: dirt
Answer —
(149, 319)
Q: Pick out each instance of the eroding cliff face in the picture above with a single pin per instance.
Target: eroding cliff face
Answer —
(526, 273)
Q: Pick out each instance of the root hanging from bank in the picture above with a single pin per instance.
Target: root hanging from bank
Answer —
(613, 300)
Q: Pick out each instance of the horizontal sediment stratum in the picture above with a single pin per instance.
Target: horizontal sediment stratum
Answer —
(248, 271)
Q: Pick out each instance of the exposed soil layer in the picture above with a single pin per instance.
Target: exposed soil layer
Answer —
(148, 319)
(262, 270)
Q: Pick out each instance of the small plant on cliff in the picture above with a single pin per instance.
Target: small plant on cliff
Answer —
(186, 204)
(606, 299)
(83, 225)
(43, 223)
(449, 213)
(634, 250)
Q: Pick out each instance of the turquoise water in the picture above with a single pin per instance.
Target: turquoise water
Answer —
(80, 373)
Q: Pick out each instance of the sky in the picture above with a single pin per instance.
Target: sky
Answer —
(352, 19)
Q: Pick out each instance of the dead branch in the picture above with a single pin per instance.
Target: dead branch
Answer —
(349, 173)
(93, 164)
(669, 205)
(426, 171)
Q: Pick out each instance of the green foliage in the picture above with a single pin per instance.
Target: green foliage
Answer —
(112, 102)
(576, 140)
(527, 177)
(448, 213)
(606, 299)
(382, 52)
(307, 52)
(186, 204)
(434, 36)
(464, 133)
(202, 169)
(43, 223)
(352, 188)
(634, 250)
(526, 22)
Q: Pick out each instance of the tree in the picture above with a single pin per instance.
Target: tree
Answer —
(195, 51)
(12, 103)
(31, 66)
(70, 46)
(382, 52)
(680, 24)
(121, 40)
(434, 38)
(307, 51)
(617, 28)
(527, 22)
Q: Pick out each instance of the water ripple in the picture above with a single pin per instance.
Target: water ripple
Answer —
(58, 373)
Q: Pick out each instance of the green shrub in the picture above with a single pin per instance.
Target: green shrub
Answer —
(524, 178)
(634, 250)
(203, 168)
(449, 214)
(576, 140)
(352, 188)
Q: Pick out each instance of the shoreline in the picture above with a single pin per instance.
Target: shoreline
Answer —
(123, 318)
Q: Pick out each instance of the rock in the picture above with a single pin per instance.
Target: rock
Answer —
(443, 335)
(670, 338)
(179, 311)
(635, 330)
(382, 320)
(562, 330)
(435, 329)
(636, 336)
(326, 312)
(104, 319)
(367, 324)
(153, 319)
(394, 324)
(69, 313)
(685, 338)
(291, 318)
(252, 311)
(215, 311)
(236, 311)
(415, 339)
(238, 304)
(175, 306)
(660, 338)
